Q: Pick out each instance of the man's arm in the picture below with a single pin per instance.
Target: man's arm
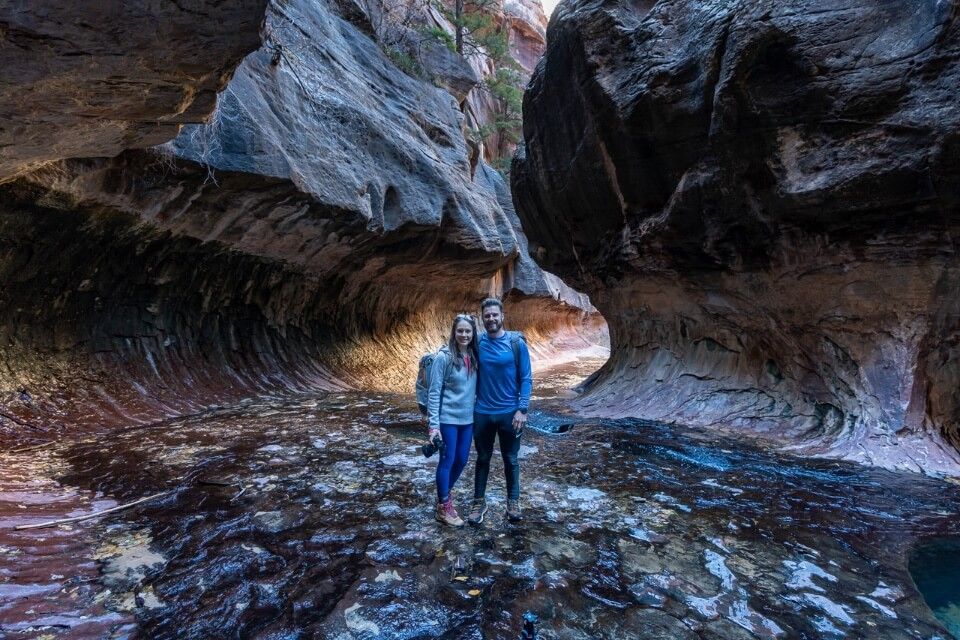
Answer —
(526, 376)
(526, 388)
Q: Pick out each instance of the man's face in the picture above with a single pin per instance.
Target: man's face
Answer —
(492, 318)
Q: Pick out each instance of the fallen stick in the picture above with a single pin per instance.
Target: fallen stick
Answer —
(22, 423)
(34, 447)
(91, 515)
(243, 490)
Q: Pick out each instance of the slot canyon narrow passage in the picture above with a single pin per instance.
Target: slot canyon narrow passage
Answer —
(229, 231)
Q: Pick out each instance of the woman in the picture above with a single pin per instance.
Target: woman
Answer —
(453, 389)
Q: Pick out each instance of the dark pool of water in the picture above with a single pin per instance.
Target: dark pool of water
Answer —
(935, 568)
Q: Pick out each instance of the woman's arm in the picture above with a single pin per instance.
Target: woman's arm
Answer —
(437, 374)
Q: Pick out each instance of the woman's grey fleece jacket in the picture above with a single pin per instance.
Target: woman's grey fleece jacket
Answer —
(459, 393)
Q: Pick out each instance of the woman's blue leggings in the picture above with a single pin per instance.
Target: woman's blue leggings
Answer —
(456, 451)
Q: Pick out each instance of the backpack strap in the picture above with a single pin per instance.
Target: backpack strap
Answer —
(515, 338)
(447, 368)
(448, 364)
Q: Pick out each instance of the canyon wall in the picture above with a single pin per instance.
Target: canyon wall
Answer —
(762, 200)
(525, 26)
(316, 231)
(92, 79)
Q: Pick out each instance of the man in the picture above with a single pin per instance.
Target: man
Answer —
(503, 398)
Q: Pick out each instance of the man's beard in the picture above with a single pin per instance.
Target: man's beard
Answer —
(493, 326)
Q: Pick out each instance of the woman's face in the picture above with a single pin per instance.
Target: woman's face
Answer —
(464, 333)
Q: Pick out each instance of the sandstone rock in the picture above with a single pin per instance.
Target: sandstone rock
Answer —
(528, 31)
(92, 79)
(419, 35)
(317, 232)
(761, 198)
(525, 25)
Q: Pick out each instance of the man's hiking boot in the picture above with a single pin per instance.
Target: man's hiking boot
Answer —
(447, 514)
(478, 509)
(513, 511)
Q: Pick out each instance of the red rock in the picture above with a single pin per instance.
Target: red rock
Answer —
(89, 79)
(761, 199)
(319, 232)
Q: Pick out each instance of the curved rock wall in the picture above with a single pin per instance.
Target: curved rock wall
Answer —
(528, 31)
(317, 232)
(762, 199)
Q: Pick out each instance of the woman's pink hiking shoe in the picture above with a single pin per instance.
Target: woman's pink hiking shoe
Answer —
(447, 514)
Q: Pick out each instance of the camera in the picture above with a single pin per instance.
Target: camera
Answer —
(432, 447)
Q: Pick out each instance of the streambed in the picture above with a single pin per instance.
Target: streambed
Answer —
(310, 517)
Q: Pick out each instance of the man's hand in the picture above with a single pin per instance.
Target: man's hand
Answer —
(519, 422)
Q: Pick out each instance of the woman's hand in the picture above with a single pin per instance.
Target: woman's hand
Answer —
(434, 433)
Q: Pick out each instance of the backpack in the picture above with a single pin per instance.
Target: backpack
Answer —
(422, 385)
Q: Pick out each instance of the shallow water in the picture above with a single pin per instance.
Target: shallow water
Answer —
(50, 579)
(935, 567)
(304, 517)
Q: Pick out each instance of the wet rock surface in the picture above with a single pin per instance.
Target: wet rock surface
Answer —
(50, 580)
(310, 516)
(761, 198)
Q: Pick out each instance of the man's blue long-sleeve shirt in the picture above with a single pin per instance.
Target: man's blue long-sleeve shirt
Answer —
(497, 389)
